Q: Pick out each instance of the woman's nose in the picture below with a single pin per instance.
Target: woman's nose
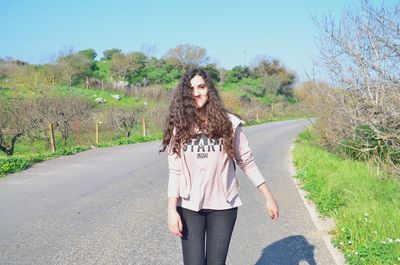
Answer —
(195, 92)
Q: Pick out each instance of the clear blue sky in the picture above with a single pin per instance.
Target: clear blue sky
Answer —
(35, 30)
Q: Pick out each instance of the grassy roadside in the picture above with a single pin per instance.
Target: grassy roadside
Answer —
(366, 210)
(18, 163)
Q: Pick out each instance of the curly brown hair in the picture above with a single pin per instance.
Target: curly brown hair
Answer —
(184, 118)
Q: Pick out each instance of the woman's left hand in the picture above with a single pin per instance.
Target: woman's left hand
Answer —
(273, 209)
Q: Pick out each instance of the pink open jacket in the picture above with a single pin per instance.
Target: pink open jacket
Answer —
(217, 170)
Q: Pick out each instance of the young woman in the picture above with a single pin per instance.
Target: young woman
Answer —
(204, 142)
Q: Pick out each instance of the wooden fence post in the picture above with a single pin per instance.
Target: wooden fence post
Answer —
(272, 111)
(52, 139)
(144, 126)
(97, 131)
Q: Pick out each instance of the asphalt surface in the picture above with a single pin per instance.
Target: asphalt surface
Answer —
(109, 206)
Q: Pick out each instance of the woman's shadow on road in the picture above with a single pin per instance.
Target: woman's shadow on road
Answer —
(288, 251)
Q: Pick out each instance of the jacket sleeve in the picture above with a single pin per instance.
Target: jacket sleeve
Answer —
(244, 158)
(174, 168)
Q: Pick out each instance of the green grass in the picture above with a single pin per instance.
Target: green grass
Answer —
(284, 117)
(247, 87)
(5, 93)
(92, 94)
(366, 209)
(18, 163)
(88, 93)
(103, 71)
(132, 140)
(236, 87)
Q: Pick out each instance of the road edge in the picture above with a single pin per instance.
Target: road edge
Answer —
(324, 225)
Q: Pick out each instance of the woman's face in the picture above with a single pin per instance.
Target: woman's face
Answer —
(199, 91)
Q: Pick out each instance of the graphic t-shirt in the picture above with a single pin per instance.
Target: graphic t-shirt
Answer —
(205, 155)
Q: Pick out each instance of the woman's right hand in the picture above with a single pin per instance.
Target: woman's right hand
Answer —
(174, 222)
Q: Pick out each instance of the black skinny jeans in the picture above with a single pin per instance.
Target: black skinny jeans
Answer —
(217, 224)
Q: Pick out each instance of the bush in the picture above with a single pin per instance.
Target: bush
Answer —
(368, 143)
(13, 164)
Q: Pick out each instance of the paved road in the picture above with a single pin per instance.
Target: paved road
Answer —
(108, 206)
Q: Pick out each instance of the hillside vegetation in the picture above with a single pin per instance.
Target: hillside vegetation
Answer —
(122, 96)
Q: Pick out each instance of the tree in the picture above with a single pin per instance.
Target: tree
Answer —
(52, 73)
(273, 72)
(28, 78)
(186, 56)
(126, 66)
(237, 73)
(88, 53)
(62, 112)
(16, 119)
(213, 72)
(91, 71)
(108, 54)
(122, 120)
(222, 75)
(74, 68)
(361, 53)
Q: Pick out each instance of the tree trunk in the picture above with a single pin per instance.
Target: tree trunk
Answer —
(9, 151)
